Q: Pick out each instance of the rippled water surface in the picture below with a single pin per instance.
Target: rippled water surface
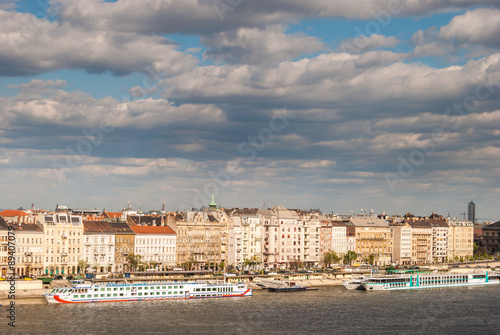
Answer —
(330, 310)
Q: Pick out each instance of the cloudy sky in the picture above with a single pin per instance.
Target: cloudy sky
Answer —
(338, 105)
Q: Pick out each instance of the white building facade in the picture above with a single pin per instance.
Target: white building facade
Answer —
(156, 245)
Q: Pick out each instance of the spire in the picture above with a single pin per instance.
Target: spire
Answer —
(212, 205)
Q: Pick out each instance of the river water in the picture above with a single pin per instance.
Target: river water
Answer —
(330, 310)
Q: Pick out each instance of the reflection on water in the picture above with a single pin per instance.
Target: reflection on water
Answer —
(466, 310)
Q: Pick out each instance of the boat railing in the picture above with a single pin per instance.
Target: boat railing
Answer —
(218, 283)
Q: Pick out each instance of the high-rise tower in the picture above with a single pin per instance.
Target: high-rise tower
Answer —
(471, 212)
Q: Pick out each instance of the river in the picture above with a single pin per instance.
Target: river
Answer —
(330, 310)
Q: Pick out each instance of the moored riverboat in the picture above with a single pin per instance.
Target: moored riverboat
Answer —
(355, 283)
(86, 293)
(432, 280)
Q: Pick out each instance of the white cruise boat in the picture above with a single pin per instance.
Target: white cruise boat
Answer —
(430, 280)
(355, 283)
(82, 293)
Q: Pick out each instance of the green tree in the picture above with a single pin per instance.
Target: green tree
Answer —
(134, 260)
(350, 257)
(252, 261)
(476, 248)
(82, 266)
(370, 259)
(330, 257)
(187, 265)
(152, 265)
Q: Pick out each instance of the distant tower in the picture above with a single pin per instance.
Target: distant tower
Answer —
(471, 212)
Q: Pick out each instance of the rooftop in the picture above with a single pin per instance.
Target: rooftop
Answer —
(13, 212)
(368, 222)
(152, 230)
(121, 227)
(494, 226)
(97, 227)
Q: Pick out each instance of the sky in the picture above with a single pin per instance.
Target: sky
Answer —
(390, 105)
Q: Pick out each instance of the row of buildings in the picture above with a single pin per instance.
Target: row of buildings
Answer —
(71, 241)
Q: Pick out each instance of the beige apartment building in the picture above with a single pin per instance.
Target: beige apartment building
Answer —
(421, 243)
(373, 237)
(460, 239)
(29, 249)
(271, 250)
(248, 223)
(440, 232)
(291, 238)
(312, 223)
(200, 238)
(124, 245)
(62, 243)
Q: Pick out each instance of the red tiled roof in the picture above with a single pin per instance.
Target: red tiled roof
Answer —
(27, 227)
(152, 230)
(114, 215)
(13, 212)
(97, 227)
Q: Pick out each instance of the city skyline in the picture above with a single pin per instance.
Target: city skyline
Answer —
(465, 215)
(392, 106)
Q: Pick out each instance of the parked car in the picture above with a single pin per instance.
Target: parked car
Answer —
(58, 277)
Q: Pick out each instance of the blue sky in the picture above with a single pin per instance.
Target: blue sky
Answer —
(301, 104)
